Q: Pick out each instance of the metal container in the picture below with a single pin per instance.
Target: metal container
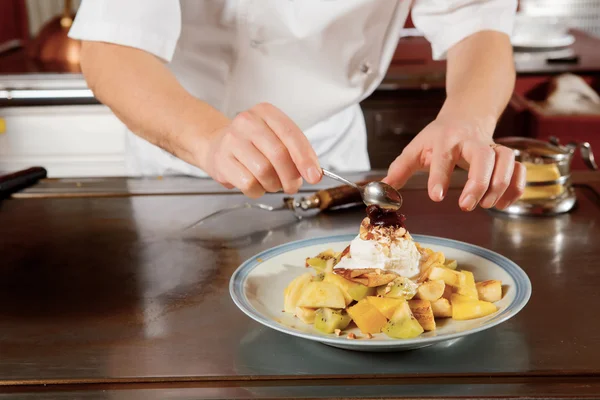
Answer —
(549, 190)
(53, 48)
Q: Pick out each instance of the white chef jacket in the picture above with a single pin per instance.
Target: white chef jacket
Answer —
(313, 59)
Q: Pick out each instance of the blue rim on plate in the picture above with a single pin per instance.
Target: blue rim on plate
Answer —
(522, 289)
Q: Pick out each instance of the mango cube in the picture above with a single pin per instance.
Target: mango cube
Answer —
(464, 307)
(466, 285)
(367, 317)
(386, 305)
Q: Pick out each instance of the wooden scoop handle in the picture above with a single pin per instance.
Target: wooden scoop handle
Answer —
(338, 196)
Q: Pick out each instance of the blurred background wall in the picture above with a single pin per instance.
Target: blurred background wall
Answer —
(40, 11)
(580, 14)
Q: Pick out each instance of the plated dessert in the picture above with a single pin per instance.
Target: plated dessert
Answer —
(385, 282)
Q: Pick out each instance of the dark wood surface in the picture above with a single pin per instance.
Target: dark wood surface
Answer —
(19, 62)
(99, 291)
(412, 66)
(573, 388)
(13, 20)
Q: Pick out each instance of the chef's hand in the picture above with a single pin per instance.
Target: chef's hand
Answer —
(495, 179)
(260, 151)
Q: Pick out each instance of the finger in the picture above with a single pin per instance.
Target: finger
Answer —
(258, 165)
(404, 166)
(501, 177)
(295, 141)
(515, 188)
(481, 160)
(269, 144)
(239, 176)
(443, 161)
(223, 181)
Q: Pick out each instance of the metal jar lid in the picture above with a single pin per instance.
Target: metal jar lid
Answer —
(526, 147)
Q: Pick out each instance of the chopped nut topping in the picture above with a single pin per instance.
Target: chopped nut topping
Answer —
(337, 332)
(369, 336)
(351, 336)
(387, 289)
(378, 271)
(385, 236)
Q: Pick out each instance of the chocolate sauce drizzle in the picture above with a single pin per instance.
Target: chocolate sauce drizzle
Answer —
(386, 218)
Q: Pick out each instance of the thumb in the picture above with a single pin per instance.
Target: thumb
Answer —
(403, 167)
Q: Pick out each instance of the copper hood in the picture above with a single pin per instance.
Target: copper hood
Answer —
(52, 48)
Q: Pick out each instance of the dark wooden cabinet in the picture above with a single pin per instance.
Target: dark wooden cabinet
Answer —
(394, 118)
(13, 20)
(416, 84)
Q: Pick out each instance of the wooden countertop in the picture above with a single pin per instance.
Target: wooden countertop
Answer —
(108, 293)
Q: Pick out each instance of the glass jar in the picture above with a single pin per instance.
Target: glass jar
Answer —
(549, 189)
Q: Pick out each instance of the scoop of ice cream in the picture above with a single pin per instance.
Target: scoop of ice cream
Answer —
(385, 248)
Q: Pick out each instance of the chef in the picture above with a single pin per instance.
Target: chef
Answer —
(261, 94)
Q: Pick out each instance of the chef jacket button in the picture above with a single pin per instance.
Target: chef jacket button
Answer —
(254, 43)
(365, 68)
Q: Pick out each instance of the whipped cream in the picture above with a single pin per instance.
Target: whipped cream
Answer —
(383, 248)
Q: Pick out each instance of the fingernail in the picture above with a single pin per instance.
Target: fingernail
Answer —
(438, 192)
(314, 175)
(468, 203)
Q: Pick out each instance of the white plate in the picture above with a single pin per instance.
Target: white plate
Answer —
(540, 32)
(540, 42)
(257, 287)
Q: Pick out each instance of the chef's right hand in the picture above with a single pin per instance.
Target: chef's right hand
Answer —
(260, 151)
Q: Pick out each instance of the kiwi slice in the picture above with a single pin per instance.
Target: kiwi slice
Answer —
(405, 328)
(399, 288)
(328, 320)
(359, 292)
(323, 262)
(316, 263)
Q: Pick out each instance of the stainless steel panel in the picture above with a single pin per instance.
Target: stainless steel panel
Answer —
(97, 289)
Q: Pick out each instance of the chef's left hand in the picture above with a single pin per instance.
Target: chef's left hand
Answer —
(495, 178)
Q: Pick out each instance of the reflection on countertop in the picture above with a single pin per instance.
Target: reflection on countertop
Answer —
(107, 287)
